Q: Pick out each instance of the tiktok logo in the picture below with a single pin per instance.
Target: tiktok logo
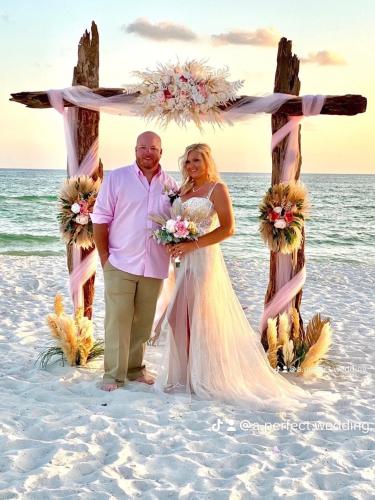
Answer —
(216, 427)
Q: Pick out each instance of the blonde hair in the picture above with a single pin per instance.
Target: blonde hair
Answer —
(208, 161)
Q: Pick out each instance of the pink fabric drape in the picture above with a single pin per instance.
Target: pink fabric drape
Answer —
(288, 286)
(82, 270)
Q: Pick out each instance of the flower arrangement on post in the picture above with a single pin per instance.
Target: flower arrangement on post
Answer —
(184, 92)
(77, 198)
(288, 351)
(283, 211)
(74, 335)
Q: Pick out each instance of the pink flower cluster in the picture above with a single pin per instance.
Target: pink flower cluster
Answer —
(81, 209)
(179, 227)
(280, 217)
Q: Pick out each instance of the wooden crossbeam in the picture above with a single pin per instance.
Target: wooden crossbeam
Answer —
(349, 104)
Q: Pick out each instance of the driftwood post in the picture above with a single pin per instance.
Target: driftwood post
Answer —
(87, 73)
(286, 81)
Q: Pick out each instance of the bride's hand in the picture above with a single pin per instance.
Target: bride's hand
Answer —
(181, 249)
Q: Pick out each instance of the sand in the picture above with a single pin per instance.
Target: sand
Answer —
(61, 437)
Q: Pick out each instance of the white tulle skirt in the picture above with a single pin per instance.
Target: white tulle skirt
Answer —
(210, 349)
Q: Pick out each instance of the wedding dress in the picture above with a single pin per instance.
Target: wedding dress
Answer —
(210, 349)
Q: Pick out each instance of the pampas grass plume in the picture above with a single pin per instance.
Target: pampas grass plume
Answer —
(272, 341)
(295, 323)
(284, 328)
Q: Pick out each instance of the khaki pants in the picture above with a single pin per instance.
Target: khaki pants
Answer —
(130, 303)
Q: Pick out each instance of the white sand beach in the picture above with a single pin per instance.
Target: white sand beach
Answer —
(61, 437)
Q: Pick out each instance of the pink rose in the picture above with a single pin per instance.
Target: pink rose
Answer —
(181, 231)
(84, 207)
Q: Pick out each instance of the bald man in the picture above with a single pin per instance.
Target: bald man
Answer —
(134, 265)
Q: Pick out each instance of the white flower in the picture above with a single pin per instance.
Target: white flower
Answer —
(198, 98)
(75, 208)
(280, 224)
(278, 210)
(170, 226)
(82, 219)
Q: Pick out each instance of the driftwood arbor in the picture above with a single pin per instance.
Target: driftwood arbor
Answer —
(286, 81)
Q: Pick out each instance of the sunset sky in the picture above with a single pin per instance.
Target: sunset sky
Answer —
(334, 40)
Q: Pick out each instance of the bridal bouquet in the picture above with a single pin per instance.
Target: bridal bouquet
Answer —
(175, 230)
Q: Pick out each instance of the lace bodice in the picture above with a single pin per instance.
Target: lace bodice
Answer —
(198, 209)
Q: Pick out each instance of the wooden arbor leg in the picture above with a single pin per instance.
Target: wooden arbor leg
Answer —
(286, 81)
(87, 73)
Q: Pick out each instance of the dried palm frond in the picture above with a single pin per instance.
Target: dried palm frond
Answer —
(317, 350)
(272, 342)
(314, 329)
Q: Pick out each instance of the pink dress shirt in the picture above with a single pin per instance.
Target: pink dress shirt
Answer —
(125, 202)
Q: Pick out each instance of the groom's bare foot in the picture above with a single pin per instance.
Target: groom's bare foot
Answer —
(109, 387)
(146, 378)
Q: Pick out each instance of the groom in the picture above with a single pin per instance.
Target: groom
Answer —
(134, 265)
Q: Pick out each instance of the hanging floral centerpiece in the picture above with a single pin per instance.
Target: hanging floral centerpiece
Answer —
(184, 92)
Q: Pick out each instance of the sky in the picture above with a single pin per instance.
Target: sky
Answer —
(334, 40)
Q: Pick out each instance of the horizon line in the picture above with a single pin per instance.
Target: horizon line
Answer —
(220, 172)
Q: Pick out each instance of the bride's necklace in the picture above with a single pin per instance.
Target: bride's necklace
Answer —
(194, 189)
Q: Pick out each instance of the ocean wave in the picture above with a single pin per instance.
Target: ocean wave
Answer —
(28, 238)
(36, 253)
(29, 197)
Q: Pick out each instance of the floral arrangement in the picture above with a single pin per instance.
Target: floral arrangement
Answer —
(77, 198)
(175, 230)
(282, 214)
(289, 351)
(74, 335)
(184, 92)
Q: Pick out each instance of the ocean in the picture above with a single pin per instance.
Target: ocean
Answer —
(341, 226)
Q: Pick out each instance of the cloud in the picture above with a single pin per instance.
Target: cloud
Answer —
(160, 31)
(324, 58)
(267, 37)
(4, 18)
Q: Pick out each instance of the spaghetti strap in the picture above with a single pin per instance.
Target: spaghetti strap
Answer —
(211, 191)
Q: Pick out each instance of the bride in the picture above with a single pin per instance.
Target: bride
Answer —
(211, 350)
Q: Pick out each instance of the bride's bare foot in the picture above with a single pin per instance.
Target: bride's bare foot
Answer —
(109, 387)
(145, 378)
